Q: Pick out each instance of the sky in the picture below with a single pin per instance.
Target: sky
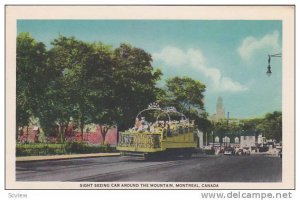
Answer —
(229, 57)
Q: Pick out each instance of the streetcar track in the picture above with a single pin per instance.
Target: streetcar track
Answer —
(254, 168)
(68, 167)
(126, 172)
(32, 174)
(48, 172)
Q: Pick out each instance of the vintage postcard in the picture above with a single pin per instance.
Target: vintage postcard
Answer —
(150, 97)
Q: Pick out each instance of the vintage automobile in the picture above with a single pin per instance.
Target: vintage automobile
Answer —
(161, 138)
(228, 151)
(279, 151)
(243, 151)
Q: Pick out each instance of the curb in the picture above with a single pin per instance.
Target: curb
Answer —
(63, 157)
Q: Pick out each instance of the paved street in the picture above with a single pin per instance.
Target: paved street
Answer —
(199, 168)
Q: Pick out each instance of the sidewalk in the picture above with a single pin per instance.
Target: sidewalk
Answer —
(63, 157)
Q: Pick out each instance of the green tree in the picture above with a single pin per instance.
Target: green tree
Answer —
(73, 58)
(250, 124)
(220, 128)
(58, 106)
(135, 83)
(187, 96)
(185, 92)
(271, 126)
(32, 77)
(102, 87)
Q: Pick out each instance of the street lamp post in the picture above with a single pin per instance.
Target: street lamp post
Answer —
(212, 132)
(227, 126)
(213, 139)
(269, 72)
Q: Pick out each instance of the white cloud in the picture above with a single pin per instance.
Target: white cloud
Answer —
(171, 56)
(227, 84)
(251, 44)
(193, 58)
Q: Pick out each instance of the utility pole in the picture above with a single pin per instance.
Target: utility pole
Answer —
(227, 126)
(213, 139)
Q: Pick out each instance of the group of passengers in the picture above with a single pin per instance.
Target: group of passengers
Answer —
(143, 125)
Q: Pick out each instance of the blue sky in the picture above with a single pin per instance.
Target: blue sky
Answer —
(229, 57)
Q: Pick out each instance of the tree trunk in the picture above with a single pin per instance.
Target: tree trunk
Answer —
(17, 132)
(61, 131)
(62, 136)
(81, 130)
(104, 131)
(27, 134)
(64, 131)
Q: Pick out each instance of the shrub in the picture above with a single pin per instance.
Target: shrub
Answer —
(263, 149)
(209, 151)
(59, 149)
(39, 149)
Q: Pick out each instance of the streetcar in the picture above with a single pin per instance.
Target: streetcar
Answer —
(170, 134)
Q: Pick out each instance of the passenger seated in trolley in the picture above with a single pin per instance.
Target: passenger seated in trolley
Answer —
(170, 127)
(169, 133)
(141, 125)
(137, 124)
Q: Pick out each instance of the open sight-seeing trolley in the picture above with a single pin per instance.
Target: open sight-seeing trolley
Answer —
(161, 138)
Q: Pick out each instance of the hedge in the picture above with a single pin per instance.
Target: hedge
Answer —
(209, 151)
(60, 149)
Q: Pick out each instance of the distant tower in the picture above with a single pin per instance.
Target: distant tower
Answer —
(220, 112)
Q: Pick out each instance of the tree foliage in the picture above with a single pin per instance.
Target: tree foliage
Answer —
(187, 95)
(135, 83)
(186, 92)
(81, 81)
(271, 126)
(32, 74)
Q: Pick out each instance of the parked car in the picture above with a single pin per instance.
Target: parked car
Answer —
(280, 154)
(228, 151)
(279, 149)
(240, 152)
(243, 152)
